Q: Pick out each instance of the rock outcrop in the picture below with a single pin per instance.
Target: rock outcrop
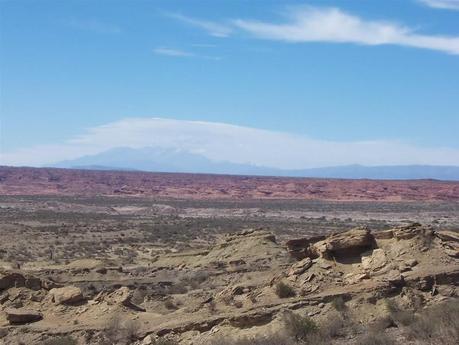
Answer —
(450, 241)
(123, 296)
(21, 316)
(66, 295)
(346, 244)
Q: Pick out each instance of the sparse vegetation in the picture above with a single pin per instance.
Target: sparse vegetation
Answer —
(339, 304)
(375, 338)
(300, 327)
(398, 315)
(62, 340)
(437, 325)
(162, 261)
(284, 290)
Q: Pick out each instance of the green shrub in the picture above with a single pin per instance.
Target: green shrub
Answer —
(339, 304)
(284, 291)
(300, 327)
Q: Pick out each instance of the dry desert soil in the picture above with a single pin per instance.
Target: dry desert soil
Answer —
(106, 257)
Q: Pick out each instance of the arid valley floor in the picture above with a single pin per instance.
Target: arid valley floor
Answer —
(91, 257)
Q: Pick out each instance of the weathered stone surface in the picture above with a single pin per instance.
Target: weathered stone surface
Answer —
(11, 279)
(66, 295)
(122, 296)
(300, 267)
(394, 277)
(450, 241)
(299, 248)
(384, 235)
(411, 231)
(448, 236)
(355, 277)
(21, 316)
(374, 262)
(346, 244)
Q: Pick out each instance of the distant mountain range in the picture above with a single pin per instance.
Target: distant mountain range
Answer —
(170, 160)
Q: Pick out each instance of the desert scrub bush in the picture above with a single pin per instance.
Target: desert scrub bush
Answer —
(339, 304)
(118, 332)
(63, 340)
(300, 327)
(375, 338)
(164, 341)
(399, 316)
(284, 291)
(169, 304)
(332, 326)
(270, 339)
(437, 325)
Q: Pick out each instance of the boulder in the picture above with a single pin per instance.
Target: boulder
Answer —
(11, 279)
(345, 244)
(394, 277)
(15, 279)
(300, 267)
(21, 316)
(450, 242)
(411, 231)
(299, 248)
(448, 236)
(355, 277)
(66, 295)
(374, 262)
(411, 262)
(122, 296)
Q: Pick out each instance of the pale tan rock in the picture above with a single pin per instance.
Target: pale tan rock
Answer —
(448, 236)
(355, 277)
(374, 262)
(122, 296)
(300, 267)
(66, 295)
(394, 277)
(344, 244)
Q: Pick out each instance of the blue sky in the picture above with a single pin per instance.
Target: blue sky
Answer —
(333, 71)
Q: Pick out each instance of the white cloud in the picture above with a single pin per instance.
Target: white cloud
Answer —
(213, 28)
(182, 53)
(172, 52)
(311, 24)
(225, 142)
(442, 4)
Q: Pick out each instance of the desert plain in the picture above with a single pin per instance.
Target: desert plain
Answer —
(109, 257)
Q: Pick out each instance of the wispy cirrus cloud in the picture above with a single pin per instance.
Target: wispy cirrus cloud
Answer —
(179, 53)
(94, 25)
(213, 28)
(442, 4)
(172, 52)
(231, 143)
(314, 24)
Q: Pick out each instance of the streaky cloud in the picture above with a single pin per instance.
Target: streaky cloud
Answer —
(172, 52)
(442, 4)
(317, 24)
(213, 28)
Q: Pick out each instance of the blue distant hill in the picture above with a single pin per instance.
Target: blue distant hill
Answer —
(169, 160)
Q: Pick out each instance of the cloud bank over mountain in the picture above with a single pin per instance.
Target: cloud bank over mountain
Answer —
(222, 142)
